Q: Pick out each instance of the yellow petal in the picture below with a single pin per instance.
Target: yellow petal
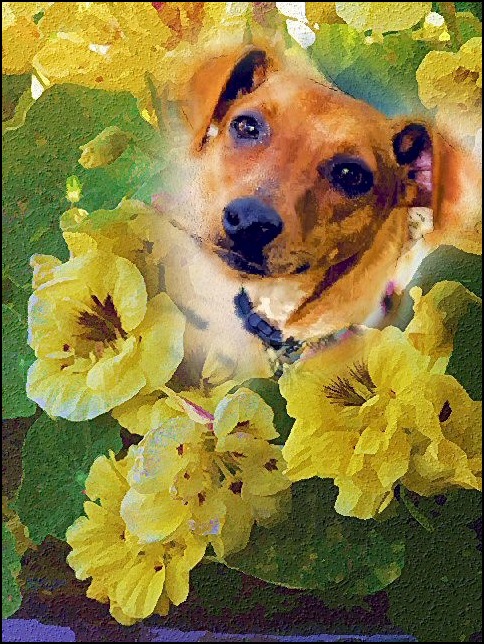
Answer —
(43, 269)
(178, 570)
(143, 413)
(237, 527)
(244, 406)
(63, 393)
(106, 482)
(152, 517)
(161, 341)
(139, 590)
(163, 453)
(437, 316)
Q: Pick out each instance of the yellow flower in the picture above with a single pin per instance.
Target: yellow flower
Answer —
(219, 468)
(452, 83)
(97, 340)
(437, 316)
(137, 579)
(132, 230)
(145, 412)
(455, 461)
(18, 26)
(382, 16)
(371, 412)
(102, 45)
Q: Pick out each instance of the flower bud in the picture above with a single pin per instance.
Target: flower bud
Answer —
(73, 189)
(105, 148)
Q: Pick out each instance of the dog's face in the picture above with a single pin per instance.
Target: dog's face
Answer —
(302, 177)
(291, 177)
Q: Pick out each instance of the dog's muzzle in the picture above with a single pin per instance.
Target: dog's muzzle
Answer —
(250, 225)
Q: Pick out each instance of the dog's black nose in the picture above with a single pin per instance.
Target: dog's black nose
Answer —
(250, 225)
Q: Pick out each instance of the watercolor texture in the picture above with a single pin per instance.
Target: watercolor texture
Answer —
(241, 365)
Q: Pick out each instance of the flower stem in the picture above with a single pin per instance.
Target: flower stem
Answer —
(414, 512)
(447, 11)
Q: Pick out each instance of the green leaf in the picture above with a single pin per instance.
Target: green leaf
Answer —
(468, 26)
(336, 48)
(11, 596)
(466, 360)
(56, 457)
(473, 7)
(39, 157)
(17, 357)
(13, 87)
(438, 596)
(269, 391)
(380, 74)
(450, 263)
(315, 548)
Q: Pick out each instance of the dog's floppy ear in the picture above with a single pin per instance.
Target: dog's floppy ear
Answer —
(444, 177)
(219, 82)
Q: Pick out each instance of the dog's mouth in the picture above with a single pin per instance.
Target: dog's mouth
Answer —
(333, 275)
(242, 264)
(337, 271)
(255, 267)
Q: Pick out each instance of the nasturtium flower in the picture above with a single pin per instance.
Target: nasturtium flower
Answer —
(132, 230)
(139, 47)
(138, 579)
(437, 316)
(382, 16)
(456, 460)
(220, 469)
(452, 83)
(145, 412)
(102, 45)
(18, 26)
(373, 412)
(97, 339)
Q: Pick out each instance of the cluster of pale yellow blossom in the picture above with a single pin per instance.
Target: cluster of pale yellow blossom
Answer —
(106, 339)
(136, 47)
(379, 411)
(149, 48)
(197, 479)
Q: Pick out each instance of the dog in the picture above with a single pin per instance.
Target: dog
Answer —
(298, 209)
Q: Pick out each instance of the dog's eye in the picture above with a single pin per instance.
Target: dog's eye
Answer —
(248, 129)
(350, 176)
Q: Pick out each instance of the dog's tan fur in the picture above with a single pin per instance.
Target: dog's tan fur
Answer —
(310, 122)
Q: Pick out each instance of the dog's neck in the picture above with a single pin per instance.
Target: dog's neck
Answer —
(289, 349)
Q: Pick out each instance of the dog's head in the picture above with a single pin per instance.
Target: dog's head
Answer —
(292, 177)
